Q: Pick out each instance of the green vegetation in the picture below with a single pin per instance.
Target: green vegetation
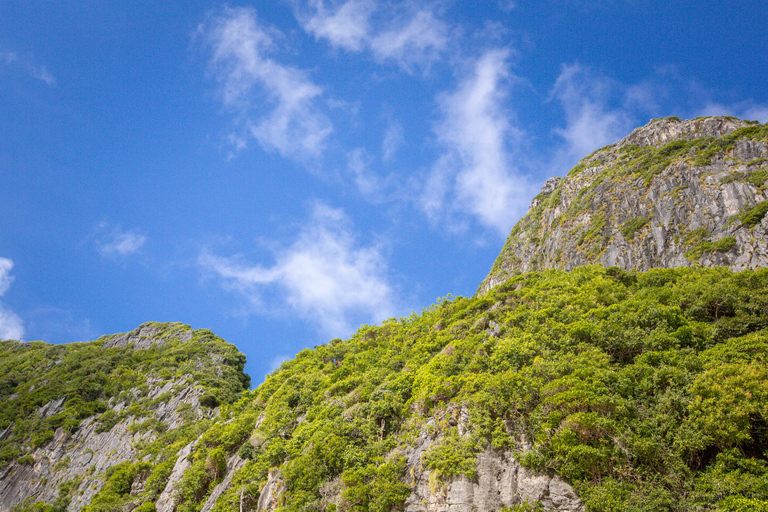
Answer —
(632, 226)
(83, 381)
(725, 244)
(646, 391)
(754, 215)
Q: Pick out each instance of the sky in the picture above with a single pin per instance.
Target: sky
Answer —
(281, 172)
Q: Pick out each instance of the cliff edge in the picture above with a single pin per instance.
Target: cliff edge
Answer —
(670, 194)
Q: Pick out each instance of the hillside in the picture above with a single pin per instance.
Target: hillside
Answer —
(670, 194)
(78, 415)
(561, 387)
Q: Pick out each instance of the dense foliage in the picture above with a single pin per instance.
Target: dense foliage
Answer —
(646, 391)
(45, 389)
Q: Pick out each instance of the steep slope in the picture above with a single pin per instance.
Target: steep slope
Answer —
(670, 194)
(107, 416)
(632, 391)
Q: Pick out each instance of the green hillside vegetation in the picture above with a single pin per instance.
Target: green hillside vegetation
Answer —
(645, 391)
(92, 379)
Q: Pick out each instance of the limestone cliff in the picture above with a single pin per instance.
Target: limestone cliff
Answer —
(671, 193)
(109, 405)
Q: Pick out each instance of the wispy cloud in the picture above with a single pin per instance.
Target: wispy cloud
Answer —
(744, 110)
(591, 121)
(278, 360)
(408, 36)
(11, 326)
(393, 140)
(58, 325)
(415, 40)
(114, 241)
(27, 63)
(8, 57)
(278, 103)
(325, 275)
(475, 174)
(41, 73)
(344, 26)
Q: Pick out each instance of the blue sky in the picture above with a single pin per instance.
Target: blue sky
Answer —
(281, 172)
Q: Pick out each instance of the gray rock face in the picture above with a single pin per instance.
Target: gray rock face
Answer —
(87, 453)
(234, 463)
(501, 482)
(661, 131)
(670, 194)
(144, 337)
(269, 498)
(166, 502)
(84, 454)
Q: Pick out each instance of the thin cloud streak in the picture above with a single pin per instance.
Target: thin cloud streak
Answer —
(590, 122)
(324, 275)
(114, 241)
(286, 102)
(475, 174)
(411, 39)
(27, 62)
(11, 326)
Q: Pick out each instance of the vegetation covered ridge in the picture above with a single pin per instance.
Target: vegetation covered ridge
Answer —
(143, 395)
(644, 390)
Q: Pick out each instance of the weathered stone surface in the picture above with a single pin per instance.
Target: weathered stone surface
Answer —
(501, 482)
(269, 498)
(585, 217)
(87, 453)
(144, 337)
(82, 454)
(167, 502)
(234, 463)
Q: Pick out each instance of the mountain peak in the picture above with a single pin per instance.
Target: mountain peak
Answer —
(672, 193)
(663, 130)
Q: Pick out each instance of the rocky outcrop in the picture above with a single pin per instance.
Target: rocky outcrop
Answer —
(146, 335)
(77, 457)
(87, 453)
(81, 453)
(167, 502)
(234, 464)
(670, 194)
(501, 482)
(269, 498)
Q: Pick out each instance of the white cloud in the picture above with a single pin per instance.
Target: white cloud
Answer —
(475, 174)
(289, 119)
(324, 275)
(416, 40)
(115, 241)
(346, 26)
(590, 122)
(6, 278)
(368, 183)
(415, 37)
(41, 73)
(8, 57)
(27, 63)
(11, 326)
(277, 361)
(393, 140)
(743, 110)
